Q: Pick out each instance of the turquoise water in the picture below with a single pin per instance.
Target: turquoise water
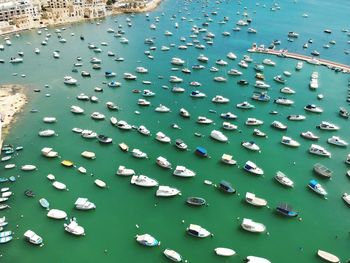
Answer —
(111, 228)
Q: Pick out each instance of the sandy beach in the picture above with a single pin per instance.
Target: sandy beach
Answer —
(12, 101)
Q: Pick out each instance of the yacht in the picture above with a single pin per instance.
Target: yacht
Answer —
(335, 140)
(202, 58)
(250, 198)
(172, 255)
(180, 144)
(228, 115)
(309, 135)
(114, 84)
(162, 137)
(229, 126)
(250, 146)
(197, 94)
(268, 62)
(313, 108)
(138, 154)
(84, 204)
(259, 133)
(261, 96)
(328, 256)
(83, 96)
(97, 116)
(143, 130)
(197, 231)
(231, 55)
(143, 102)
(316, 187)
(243, 64)
(184, 113)
(143, 180)
(279, 79)
(234, 72)
(47, 133)
(346, 198)
(147, 240)
(289, 142)
(70, 80)
(278, 125)
(299, 65)
(324, 125)
(253, 122)
(218, 135)
(129, 76)
(287, 90)
(252, 226)
(228, 159)
(220, 79)
(253, 168)
(283, 179)
(343, 113)
(162, 108)
(221, 62)
(319, 150)
(163, 162)
(175, 79)
(322, 170)
(177, 61)
(33, 238)
(164, 191)
(123, 125)
(261, 85)
(245, 105)
(88, 134)
(182, 171)
(123, 171)
(296, 117)
(284, 101)
(204, 120)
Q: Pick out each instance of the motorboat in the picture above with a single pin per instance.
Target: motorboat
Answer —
(292, 34)
(313, 84)
(251, 226)
(143, 102)
(177, 89)
(299, 65)
(49, 119)
(278, 125)
(245, 105)
(253, 122)
(279, 79)
(259, 133)
(82, 169)
(335, 140)
(225, 252)
(148, 93)
(243, 64)
(93, 99)
(322, 170)
(231, 55)
(220, 99)
(16, 60)
(143, 130)
(66, 163)
(49, 152)
(113, 84)
(268, 62)
(317, 188)
(202, 58)
(347, 161)
(250, 145)
(172, 255)
(73, 228)
(138, 154)
(182, 171)
(57, 214)
(328, 256)
(184, 113)
(346, 198)
(229, 126)
(161, 108)
(111, 106)
(324, 125)
(254, 259)
(160, 136)
(97, 116)
(175, 79)
(103, 139)
(296, 117)
(253, 168)
(234, 72)
(70, 80)
(313, 108)
(165, 191)
(33, 238)
(147, 240)
(177, 61)
(204, 120)
(226, 187)
(261, 96)
(141, 70)
(284, 101)
(287, 90)
(343, 113)
(218, 135)
(28, 167)
(88, 155)
(59, 186)
(289, 142)
(88, 134)
(143, 180)
(163, 162)
(243, 82)
(283, 179)
(197, 94)
(180, 144)
(82, 96)
(123, 171)
(286, 210)
(84, 204)
(195, 201)
(250, 198)
(123, 125)
(309, 135)
(129, 76)
(319, 150)
(261, 84)
(47, 133)
(228, 159)
(197, 231)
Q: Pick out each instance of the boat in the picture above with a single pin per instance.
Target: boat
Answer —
(227, 159)
(251, 226)
(3, 199)
(204, 120)
(195, 201)
(197, 94)
(289, 142)
(148, 93)
(124, 147)
(259, 133)
(100, 183)
(143, 102)
(182, 171)
(253, 168)
(124, 171)
(69, 80)
(228, 115)
(162, 108)
(253, 122)
(296, 117)
(143, 180)
(164, 191)
(319, 150)
(51, 177)
(163, 162)
(73, 228)
(16, 60)
(88, 155)
(160, 136)
(322, 170)
(184, 113)
(49, 119)
(97, 116)
(67, 163)
(44, 203)
(284, 101)
(84, 204)
(279, 79)
(138, 154)
(317, 188)
(123, 125)
(299, 65)
(113, 84)
(220, 99)
(313, 108)
(226, 187)
(245, 105)
(143, 130)
(261, 85)
(234, 72)
(324, 125)
(88, 134)
(278, 125)
(59, 185)
(343, 113)
(47, 133)
(309, 135)
(335, 140)
(147, 240)
(346, 198)
(328, 256)
(28, 167)
(283, 179)
(103, 139)
(6, 239)
(10, 166)
(111, 106)
(253, 200)
(261, 96)
(180, 144)
(197, 231)
(254, 259)
(268, 62)
(250, 145)
(347, 161)
(33, 238)
(56, 214)
(286, 210)
(225, 252)
(76, 109)
(172, 255)
(287, 90)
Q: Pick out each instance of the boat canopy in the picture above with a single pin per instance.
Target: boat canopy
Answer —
(201, 151)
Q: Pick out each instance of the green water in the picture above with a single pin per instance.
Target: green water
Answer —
(111, 228)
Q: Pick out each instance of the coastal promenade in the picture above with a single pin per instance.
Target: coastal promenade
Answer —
(311, 60)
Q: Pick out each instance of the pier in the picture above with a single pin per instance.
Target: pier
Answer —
(311, 60)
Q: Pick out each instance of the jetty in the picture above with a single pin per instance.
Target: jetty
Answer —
(311, 60)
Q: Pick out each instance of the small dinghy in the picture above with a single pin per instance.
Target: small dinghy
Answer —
(253, 259)
(328, 256)
(59, 185)
(225, 252)
(29, 193)
(195, 201)
(147, 240)
(44, 203)
(100, 183)
(28, 167)
(57, 214)
(82, 170)
(172, 255)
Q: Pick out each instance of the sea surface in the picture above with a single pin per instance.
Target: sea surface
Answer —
(125, 210)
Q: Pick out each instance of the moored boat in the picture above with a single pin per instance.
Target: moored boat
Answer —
(225, 252)
(57, 214)
(195, 201)
(322, 170)
(147, 240)
(328, 256)
(253, 200)
(283, 179)
(164, 191)
(172, 255)
(317, 188)
(197, 231)
(253, 168)
(251, 226)
(33, 238)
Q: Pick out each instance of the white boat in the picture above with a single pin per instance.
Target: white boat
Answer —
(148, 93)
(163, 162)
(59, 185)
(335, 140)
(254, 259)
(123, 171)
(177, 61)
(278, 125)
(289, 142)
(284, 101)
(10, 166)
(324, 125)
(180, 144)
(253, 168)
(57, 214)
(228, 115)
(73, 228)
(143, 180)
(100, 183)
(229, 126)
(28, 167)
(261, 85)
(33, 238)
(51, 177)
(143, 102)
(202, 58)
(309, 135)
(296, 117)
(197, 231)
(49, 119)
(182, 171)
(317, 188)
(231, 55)
(218, 135)
(287, 90)
(82, 170)
(253, 122)
(250, 145)
(319, 150)
(49, 152)
(84, 204)
(184, 113)
(47, 133)
(220, 99)
(138, 154)
(161, 108)
(70, 80)
(143, 130)
(172, 255)
(175, 79)
(147, 240)
(253, 200)
(88, 155)
(251, 226)
(204, 120)
(88, 134)
(283, 179)
(234, 72)
(225, 252)
(76, 109)
(268, 62)
(197, 94)
(160, 136)
(129, 76)
(16, 60)
(346, 198)
(97, 116)
(245, 105)
(299, 65)
(328, 256)
(313, 108)
(123, 125)
(167, 191)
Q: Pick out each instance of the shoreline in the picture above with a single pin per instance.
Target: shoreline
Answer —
(12, 101)
(117, 11)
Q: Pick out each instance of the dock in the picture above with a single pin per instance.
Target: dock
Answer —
(311, 60)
